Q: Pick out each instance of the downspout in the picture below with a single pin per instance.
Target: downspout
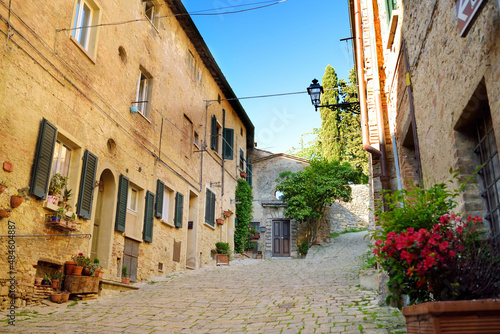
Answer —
(361, 81)
(384, 177)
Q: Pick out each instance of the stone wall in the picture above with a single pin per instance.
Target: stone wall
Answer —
(350, 215)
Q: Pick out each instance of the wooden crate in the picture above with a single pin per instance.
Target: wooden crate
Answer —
(81, 284)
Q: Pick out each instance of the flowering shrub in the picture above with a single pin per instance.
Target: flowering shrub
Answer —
(81, 261)
(433, 264)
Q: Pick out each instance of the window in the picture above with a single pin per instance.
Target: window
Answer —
(279, 195)
(164, 202)
(58, 152)
(151, 11)
(144, 91)
(210, 208)
(487, 155)
(196, 139)
(179, 209)
(242, 160)
(390, 5)
(227, 145)
(132, 199)
(187, 133)
(215, 135)
(84, 25)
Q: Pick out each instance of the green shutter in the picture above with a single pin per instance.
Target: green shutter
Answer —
(121, 205)
(390, 5)
(87, 185)
(40, 176)
(160, 188)
(213, 137)
(179, 207)
(212, 209)
(147, 232)
(208, 200)
(227, 148)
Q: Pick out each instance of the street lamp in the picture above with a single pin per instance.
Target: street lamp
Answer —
(315, 90)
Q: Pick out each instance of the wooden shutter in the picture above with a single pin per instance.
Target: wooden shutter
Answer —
(213, 137)
(160, 189)
(208, 200)
(147, 232)
(227, 148)
(87, 185)
(212, 209)
(40, 176)
(121, 205)
(179, 207)
(249, 174)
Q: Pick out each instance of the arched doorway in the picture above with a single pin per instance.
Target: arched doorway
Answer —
(102, 234)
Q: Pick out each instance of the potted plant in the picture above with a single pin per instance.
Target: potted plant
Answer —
(55, 278)
(81, 262)
(64, 296)
(56, 297)
(57, 183)
(3, 186)
(227, 213)
(66, 197)
(17, 199)
(5, 213)
(259, 255)
(70, 265)
(125, 278)
(46, 279)
(448, 271)
(220, 221)
(223, 253)
(243, 174)
(97, 268)
(38, 280)
(253, 233)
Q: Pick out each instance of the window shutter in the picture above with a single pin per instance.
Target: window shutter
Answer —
(208, 200)
(213, 137)
(249, 174)
(227, 148)
(160, 188)
(212, 209)
(87, 182)
(40, 176)
(147, 233)
(179, 207)
(121, 206)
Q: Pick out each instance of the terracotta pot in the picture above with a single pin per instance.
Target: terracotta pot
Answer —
(15, 201)
(222, 259)
(125, 280)
(55, 284)
(70, 265)
(86, 271)
(5, 213)
(461, 316)
(99, 274)
(258, 256)
(77, 270)
(220, 221)
(64, 297)
(55, 297)
(2, 188)
(227, 213)
(38, 280)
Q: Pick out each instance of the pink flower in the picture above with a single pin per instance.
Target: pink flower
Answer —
(444, 245)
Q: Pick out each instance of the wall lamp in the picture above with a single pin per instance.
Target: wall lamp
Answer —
(315, 90)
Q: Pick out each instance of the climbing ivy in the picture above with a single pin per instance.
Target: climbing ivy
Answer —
(244, 210)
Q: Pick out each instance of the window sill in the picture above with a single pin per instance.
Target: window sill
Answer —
(209, 226)
(133, 238)
(167, 223)
(147, 119)
(53, 207)
(85, 52)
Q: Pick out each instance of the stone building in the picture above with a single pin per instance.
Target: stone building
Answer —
(279, 235)
(429, 93)
(126, 100)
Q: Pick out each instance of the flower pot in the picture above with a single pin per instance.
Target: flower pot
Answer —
(55, 297)
(99, 273)
(227, 213)
(243, 174)
(461, 316)
(5, 213)
(125, 280)
(55, 284)
(64, 297)
(52, 199)
(38, 280)
(77, 270)
(15, 201)
(258, 256)
(86, 271)
(2, 188)
(220, 221)
(70, 265)
(222, 259)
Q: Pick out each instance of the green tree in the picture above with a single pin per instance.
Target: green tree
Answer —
(329, 145)
(307, 193)
(307, 150)
(244, 208)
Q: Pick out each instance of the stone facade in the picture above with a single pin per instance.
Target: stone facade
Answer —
(438, 88)
(350, 215)
(88, 91)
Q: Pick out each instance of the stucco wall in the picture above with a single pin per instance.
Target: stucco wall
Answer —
(350, 215)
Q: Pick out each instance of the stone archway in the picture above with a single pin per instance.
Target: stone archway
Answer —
(102, 234)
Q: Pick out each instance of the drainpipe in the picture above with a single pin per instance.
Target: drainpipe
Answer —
(361, 81)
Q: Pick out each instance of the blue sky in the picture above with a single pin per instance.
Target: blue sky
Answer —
(274, 50)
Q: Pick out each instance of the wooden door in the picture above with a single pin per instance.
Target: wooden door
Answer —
(130, 256)
(281, 238)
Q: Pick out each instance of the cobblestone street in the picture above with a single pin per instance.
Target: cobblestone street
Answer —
(319, 294)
